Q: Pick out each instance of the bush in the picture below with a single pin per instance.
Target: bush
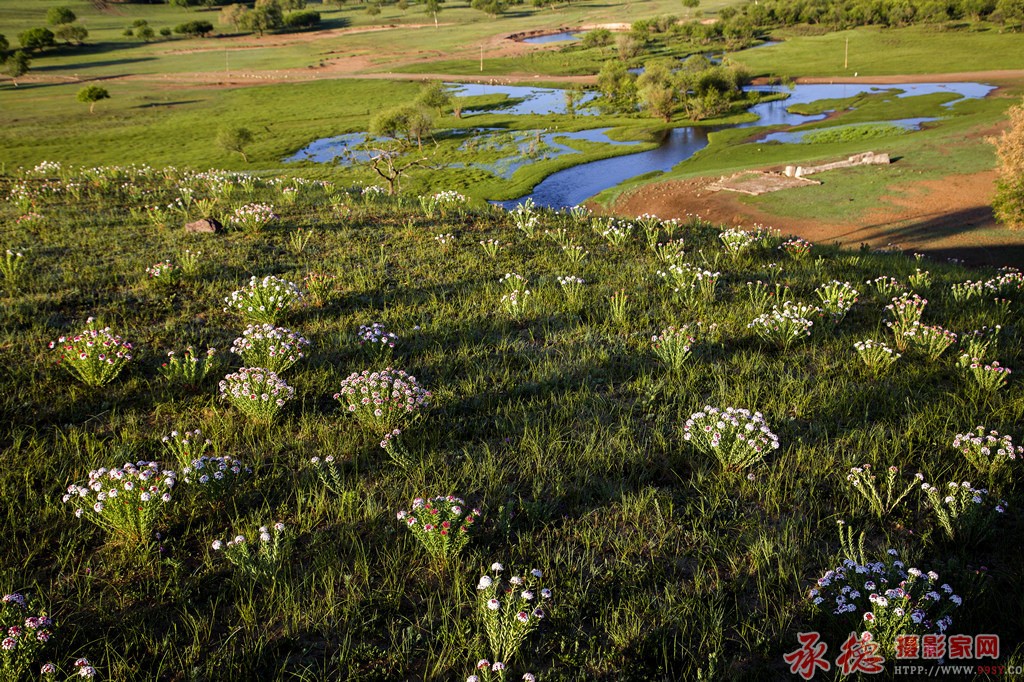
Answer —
(597, 38)
(195, 29)
(306, 19)
(72, 33)
(56, 16)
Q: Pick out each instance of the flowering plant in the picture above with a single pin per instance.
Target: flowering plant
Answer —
(93, 356)
(263, 300)
(572, 287)
(886, 599)
(256, 392)
(23, 636)
(329, 472)
(930, 341)
(737, 437)
(509, 612)
(12, 268)
(490, 247)
(797, 248)
(377, 340)
(988, 378)
(905, 311)
(672, 346)
(525, 218)
(876, 355)
(441, 524)
(214, 477)
(886, 287)
(574, 254)
(782, 326)
(123, 500)
(880, 503)
(515, 300)
(837, 298)
(384, 400)
(689, 282)
(272, 348)
(760, 295)
(252, 217)
(258, 558)
(188, 370)
(736, 241)
(617, 231)
(962, 511)
(185, 447)
(164, 274)
(978, 343)
(987, 452)
(319, 287)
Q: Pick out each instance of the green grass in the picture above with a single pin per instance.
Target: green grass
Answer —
(562, 427)
(886, 51)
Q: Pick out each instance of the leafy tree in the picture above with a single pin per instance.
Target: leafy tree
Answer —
(691, 4)
(1008, 203)
(234, 16)
(657, 89)
(36, 39)
(373, 9)
(146, 33)
(628, 46)
(599, 37)
(291, 5)
(404, 123)
(432, 7)
(265, 16)
(91, 94)
(492, 7)
(166, 31)
(299, 20)
(55, 16)
(17, 65)
(4, 45)
(195, 29)
(617, 85)
(573, 96)
(434, 95)
(72, 33)
(235, 139)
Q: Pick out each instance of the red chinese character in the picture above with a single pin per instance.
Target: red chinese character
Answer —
(809, 657)
(908, 646)
(860, 655)
(961, 646)
(933, 646)
(986, 646)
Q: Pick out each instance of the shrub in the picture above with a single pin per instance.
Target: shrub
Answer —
(306, 19)
(194, 29)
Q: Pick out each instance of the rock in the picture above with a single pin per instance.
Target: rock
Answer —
(204, 225)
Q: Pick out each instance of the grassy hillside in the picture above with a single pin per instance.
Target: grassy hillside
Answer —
(558, 418)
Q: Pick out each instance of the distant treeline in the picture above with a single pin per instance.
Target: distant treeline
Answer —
(840, 14)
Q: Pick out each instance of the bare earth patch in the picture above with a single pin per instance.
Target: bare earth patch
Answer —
(950, 217)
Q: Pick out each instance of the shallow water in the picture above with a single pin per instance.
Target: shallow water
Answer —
(571, 186)
(563, 37)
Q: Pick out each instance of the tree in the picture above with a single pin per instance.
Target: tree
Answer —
(657, 89)
(235, 139)
(55, 16)
(234, 16)
(1008, 203)
(195, 29)
(617, 85)
(265, 16)
(73, 33)
(691, 4)
(432, 7)
(300, 20)
(492, 7)
(17, 66)
(572, 96)
(3, 48)
(36, 39)
(404, 123)
(146, 33)
(91, 94)
(628, 46)
(434, 95)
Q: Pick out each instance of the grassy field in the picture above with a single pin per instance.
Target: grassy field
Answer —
(558, 419)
